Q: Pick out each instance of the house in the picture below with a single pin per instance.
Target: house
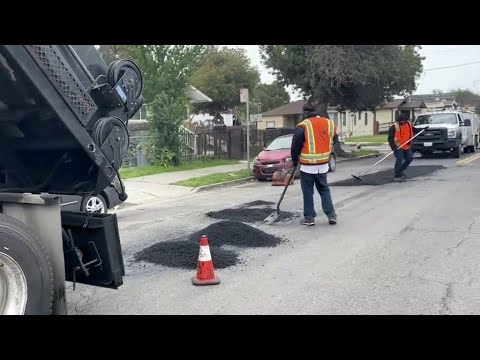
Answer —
(289, 115)
(361, 123)
(285, 116)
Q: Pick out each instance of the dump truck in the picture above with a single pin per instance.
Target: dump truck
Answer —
(63, 131)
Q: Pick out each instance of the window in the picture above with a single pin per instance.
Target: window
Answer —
(335, 117)
(281, 143)
(440, 118)
(344, 119)
(366, 118)
(270, 124)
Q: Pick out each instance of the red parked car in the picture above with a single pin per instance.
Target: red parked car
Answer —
(277, 156)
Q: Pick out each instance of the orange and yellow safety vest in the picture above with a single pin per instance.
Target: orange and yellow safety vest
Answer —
(319, 133)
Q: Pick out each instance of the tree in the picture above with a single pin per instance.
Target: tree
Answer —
(354, 77)
(166, 73)
(109, 53)
(270, 96)
(465, 97)
(224, 72)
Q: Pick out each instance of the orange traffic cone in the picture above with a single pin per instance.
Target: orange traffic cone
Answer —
(205, 271)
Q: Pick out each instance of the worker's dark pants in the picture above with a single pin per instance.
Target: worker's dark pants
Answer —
(404, 158)
(320, 182)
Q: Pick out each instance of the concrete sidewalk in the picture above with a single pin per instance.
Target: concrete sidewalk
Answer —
(155, 187)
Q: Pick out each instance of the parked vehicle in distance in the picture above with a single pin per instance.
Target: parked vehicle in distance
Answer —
(448, 131)
(277, 156)
(100, 203)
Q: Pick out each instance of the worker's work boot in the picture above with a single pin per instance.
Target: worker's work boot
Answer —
(308, 221)
(332, 221)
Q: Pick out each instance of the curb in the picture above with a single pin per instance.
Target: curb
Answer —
(358, 158)
(366, 143)
(212, 186)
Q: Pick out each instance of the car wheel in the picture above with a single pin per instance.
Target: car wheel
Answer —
(95, 203)
(332, 163)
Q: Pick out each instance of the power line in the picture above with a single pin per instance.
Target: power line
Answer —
(452, 66)
(456, 49)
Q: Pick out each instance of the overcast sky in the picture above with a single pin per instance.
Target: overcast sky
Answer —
(464, 77)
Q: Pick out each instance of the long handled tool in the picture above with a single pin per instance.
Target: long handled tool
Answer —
(274, 216)
(359, 177)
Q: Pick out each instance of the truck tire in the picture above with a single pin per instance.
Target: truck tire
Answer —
(456, 152)
(26, 273)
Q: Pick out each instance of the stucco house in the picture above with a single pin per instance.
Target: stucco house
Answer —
(289, 115)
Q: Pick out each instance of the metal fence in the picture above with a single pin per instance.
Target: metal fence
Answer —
(215, 142)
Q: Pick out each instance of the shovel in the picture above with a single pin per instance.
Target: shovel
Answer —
(275, 215)
(359, 177)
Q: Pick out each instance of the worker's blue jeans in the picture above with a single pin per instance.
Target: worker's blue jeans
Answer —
(320, 182)
(404, 158)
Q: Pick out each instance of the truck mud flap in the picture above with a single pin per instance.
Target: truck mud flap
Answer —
(91, 245)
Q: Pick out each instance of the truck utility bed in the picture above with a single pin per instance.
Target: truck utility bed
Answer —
(63, 118)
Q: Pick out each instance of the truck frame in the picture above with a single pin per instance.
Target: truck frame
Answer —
(63, 131)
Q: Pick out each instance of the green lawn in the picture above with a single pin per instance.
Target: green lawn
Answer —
(368, 138)
(215, 178)
(128, 173)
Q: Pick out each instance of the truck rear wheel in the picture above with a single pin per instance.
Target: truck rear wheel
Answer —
(26, 274)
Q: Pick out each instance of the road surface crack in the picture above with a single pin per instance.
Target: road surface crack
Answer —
(471, 225)
(406, 228)
(445, 310)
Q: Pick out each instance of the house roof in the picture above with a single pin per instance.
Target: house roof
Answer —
(196, 96)
(433, 97)
(294, 108)
(413, 105)
(393, 104)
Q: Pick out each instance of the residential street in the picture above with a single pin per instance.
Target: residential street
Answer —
(400, 248)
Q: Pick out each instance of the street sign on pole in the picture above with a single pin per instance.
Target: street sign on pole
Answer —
(244, 99)
(243, 95)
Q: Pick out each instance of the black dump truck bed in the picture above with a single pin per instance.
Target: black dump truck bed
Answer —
(63, 118)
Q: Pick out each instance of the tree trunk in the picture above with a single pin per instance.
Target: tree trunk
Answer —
(322, 109)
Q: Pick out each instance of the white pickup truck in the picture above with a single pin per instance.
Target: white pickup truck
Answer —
(448, 131)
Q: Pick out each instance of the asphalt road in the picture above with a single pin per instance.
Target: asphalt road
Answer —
(401, 248)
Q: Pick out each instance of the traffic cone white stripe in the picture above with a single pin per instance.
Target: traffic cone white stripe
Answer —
(204, 254)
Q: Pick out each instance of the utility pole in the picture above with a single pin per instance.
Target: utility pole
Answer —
(244, 99)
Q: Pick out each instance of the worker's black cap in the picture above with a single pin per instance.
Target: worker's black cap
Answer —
(308, 107)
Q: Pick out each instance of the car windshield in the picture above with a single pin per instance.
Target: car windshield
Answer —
(280, 143)
(436, 119)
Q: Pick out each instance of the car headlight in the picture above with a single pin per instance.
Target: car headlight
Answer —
(256, 161)
(452, 134)
(288, 159)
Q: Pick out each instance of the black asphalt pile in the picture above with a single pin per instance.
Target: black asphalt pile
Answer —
(184, 254)
(258, 203)
(248, 215)
(235, 233)
(386, 176)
